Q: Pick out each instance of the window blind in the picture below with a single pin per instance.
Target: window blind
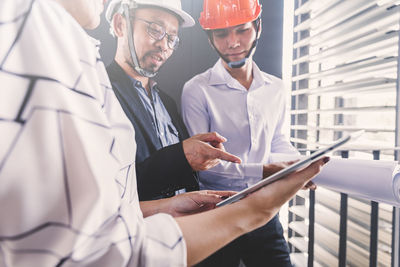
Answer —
(344, 78)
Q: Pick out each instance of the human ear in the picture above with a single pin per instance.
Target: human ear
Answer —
(119, 25)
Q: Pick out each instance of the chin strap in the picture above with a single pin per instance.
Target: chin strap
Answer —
(239, 63)
(132, 50)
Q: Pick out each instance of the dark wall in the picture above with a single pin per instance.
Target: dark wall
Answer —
(195, 54)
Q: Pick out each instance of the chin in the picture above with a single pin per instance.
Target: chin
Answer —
(152, 68)
(92, 24)
(234, 59)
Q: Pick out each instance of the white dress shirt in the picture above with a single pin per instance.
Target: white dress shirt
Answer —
(67, 176)
(251, 120)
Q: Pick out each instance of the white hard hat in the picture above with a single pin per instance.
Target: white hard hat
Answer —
(171, 5)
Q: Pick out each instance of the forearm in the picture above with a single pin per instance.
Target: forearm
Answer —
(216, 228)
(152, 207)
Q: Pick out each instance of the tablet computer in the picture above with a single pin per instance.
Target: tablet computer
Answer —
(294, 167)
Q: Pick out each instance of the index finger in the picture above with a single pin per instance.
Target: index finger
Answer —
(220, 154)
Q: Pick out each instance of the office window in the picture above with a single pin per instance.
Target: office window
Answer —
(344, 78)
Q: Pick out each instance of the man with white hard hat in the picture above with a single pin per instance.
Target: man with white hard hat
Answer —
(147, 35)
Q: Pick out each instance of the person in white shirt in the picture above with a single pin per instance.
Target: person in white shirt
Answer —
(68, 192)
(247, 106)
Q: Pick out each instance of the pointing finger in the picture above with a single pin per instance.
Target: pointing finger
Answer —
(223, 155)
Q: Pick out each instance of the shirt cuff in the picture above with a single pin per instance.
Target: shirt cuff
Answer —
(165, 244)
(254, 170)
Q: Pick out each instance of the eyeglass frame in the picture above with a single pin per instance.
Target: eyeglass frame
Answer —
(164, 33)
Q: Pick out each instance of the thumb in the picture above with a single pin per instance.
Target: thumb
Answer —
(207, 199)
(311, 171)
(210, 137)
(291, 162)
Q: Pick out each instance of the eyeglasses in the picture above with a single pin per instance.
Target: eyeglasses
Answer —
(158, 33)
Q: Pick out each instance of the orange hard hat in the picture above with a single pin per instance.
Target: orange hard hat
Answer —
(219, 14)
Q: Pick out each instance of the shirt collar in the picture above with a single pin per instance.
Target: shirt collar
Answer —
(219, 75)
(138, 85)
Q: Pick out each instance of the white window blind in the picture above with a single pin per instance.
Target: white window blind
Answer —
(344, 78)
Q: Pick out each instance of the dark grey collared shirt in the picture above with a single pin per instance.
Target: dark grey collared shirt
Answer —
(161, 120)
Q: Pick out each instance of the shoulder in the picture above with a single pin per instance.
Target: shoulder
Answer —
(121, 83)
(197, 83)
(50, 33)
(60, 51)
(115, 73)
(58, 23)
(111, 69)
(271, 79)
(274, 82)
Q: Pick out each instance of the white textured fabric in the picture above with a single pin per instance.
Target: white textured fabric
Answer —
(251, 120)
(67, 177)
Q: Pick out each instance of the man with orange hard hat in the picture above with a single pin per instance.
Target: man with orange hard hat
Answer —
(247, 106)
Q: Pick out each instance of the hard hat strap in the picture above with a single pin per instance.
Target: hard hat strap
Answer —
(239, 63)
(131, 44)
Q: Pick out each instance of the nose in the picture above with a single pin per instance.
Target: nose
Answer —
(232, 40)
(163, 43)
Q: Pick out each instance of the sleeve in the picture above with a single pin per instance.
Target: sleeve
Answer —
(194, 108)
(280, 142)
(197, 119)
(164, 243)
(164, 171)
(67, 180)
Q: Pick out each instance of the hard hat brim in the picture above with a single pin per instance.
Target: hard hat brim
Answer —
(186, 19)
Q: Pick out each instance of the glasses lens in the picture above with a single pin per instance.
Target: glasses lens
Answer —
(156, 31)
(173, 41)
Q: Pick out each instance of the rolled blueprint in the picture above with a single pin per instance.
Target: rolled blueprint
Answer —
(376, 180)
